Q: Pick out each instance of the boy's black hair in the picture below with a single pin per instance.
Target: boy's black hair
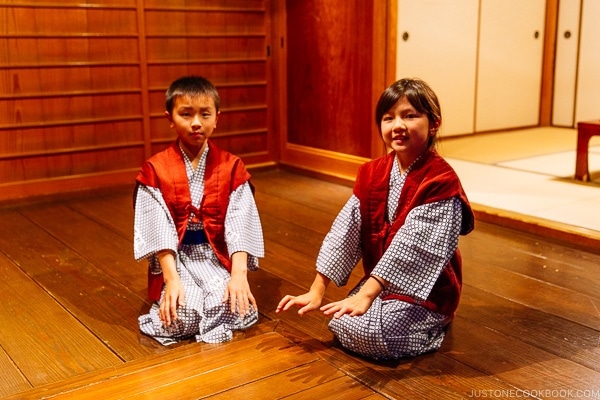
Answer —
(191, 86)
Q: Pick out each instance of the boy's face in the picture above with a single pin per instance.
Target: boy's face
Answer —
(194, 119)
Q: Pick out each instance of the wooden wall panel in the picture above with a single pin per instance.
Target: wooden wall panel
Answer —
(52, 81)
(82, 85)
(203, 21)
(216, 48)
(244, 5)
(29, 142)
(65, 21)
(227, 43)
(62, 110)
(76, 163)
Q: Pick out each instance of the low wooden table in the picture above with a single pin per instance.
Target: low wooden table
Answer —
(585, 130)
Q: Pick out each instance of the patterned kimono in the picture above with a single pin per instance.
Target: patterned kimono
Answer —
(202, 272)
(403, 320)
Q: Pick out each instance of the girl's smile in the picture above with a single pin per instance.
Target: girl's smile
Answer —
(406, 131)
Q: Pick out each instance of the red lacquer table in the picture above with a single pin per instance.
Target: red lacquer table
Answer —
(585, 130)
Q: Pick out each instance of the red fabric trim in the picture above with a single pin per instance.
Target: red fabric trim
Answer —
(431, 179)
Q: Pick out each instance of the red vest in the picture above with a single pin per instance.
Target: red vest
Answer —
(224, 173)
(431, 179)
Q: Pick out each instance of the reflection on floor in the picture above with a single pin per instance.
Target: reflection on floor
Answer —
(529, 173)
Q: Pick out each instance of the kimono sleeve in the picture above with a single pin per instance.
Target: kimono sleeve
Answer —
(154, 229)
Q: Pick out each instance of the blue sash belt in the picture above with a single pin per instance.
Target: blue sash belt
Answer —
(194, 237)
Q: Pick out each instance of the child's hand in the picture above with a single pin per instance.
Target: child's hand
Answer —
(359, 303)
(353, 306)
(238, 290)
(174, 296)
(238, 293)
(307, 302)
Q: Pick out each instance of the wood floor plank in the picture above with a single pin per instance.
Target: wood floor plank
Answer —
(419, 379)
(340, 388)
(291, 235)
(314, 323)
(253, 368)
(300, 189)
(425, 377)
(317, 220)
(113, 210)
(541, 295)
(289, 265)
(563, 338)
(294, 265)
(546, 261)
(284, 383)
(107, 307)
(524, 366)
(292, 245)
(101, 246)
(188, 373)
(433, 376)
(44, 341)
(12, 380)
(105, 376)
(527, 320)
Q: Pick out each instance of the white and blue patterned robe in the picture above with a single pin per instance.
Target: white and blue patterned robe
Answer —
(392, 328)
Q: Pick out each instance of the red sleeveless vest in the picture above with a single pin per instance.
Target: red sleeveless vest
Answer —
(224, 173)
(431, 179)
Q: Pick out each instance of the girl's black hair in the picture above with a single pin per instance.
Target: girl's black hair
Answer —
(418, 93)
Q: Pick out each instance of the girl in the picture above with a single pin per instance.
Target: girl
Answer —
(403, 219)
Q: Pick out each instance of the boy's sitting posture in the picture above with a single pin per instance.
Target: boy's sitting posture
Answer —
(197, 224)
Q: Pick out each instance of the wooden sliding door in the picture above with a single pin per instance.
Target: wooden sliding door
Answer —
(336, 70)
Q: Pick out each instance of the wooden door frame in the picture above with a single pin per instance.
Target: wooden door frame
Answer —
(548, 63)
(327, 164)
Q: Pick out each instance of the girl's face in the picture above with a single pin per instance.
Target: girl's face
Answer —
(194, 119)
(406, 131)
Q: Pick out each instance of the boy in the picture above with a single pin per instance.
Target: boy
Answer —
(197, 224)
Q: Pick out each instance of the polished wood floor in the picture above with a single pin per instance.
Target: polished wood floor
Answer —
(528, 325)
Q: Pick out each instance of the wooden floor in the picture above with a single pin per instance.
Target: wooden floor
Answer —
(528, 325)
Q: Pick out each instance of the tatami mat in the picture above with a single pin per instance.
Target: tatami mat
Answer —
(560, 165)
(529, 172)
